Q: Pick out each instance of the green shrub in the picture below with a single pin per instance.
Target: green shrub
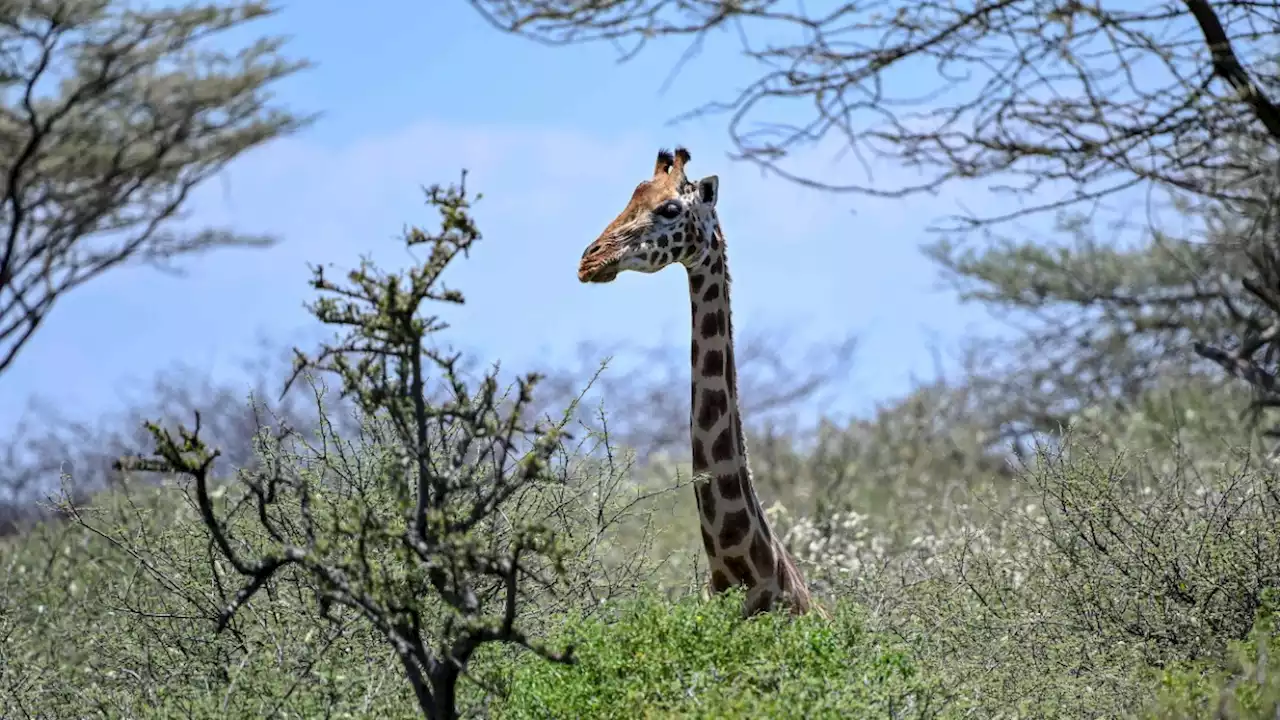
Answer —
(1135, 543)
(112, 618)
(700, 659)
(1248, 689)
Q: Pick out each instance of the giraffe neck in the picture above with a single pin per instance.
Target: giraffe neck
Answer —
(739, 542)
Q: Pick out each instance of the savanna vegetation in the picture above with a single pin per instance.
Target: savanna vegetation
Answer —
(1083, 522)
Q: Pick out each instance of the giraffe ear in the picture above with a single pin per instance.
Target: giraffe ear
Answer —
(709, 189)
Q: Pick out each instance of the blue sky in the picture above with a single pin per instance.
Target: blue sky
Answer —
(412, 92)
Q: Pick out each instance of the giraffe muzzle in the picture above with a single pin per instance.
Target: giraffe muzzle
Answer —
(599, 263)
(602, 273)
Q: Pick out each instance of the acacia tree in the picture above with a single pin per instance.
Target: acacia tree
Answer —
(1102, 324)
(110, 114)
(1062, 107)
(410, 524)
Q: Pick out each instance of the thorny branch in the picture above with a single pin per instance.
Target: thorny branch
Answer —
(405, 542)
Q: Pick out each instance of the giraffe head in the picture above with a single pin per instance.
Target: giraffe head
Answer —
(670, 219)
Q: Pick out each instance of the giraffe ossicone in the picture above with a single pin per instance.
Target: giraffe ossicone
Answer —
(669, 220)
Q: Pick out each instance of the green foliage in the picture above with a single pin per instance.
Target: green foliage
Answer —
(1099, 325)
(1061, 606)
(1137, 540)
(113, 615)
(1248, 689)
(697, 658)
(981, 607)
(115, 611)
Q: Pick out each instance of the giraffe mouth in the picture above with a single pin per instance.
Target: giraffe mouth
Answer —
(602, 273)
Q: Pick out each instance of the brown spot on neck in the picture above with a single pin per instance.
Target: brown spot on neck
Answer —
(715, 419)
(735, 532)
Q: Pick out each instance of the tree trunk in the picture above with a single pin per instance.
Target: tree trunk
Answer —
(444, 687)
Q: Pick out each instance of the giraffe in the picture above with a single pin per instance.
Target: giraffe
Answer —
(671, 219)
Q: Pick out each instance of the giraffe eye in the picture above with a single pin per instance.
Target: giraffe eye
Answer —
(669, 210)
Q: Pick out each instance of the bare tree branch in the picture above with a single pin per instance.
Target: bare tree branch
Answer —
(1228, 67)
(1058, 104)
